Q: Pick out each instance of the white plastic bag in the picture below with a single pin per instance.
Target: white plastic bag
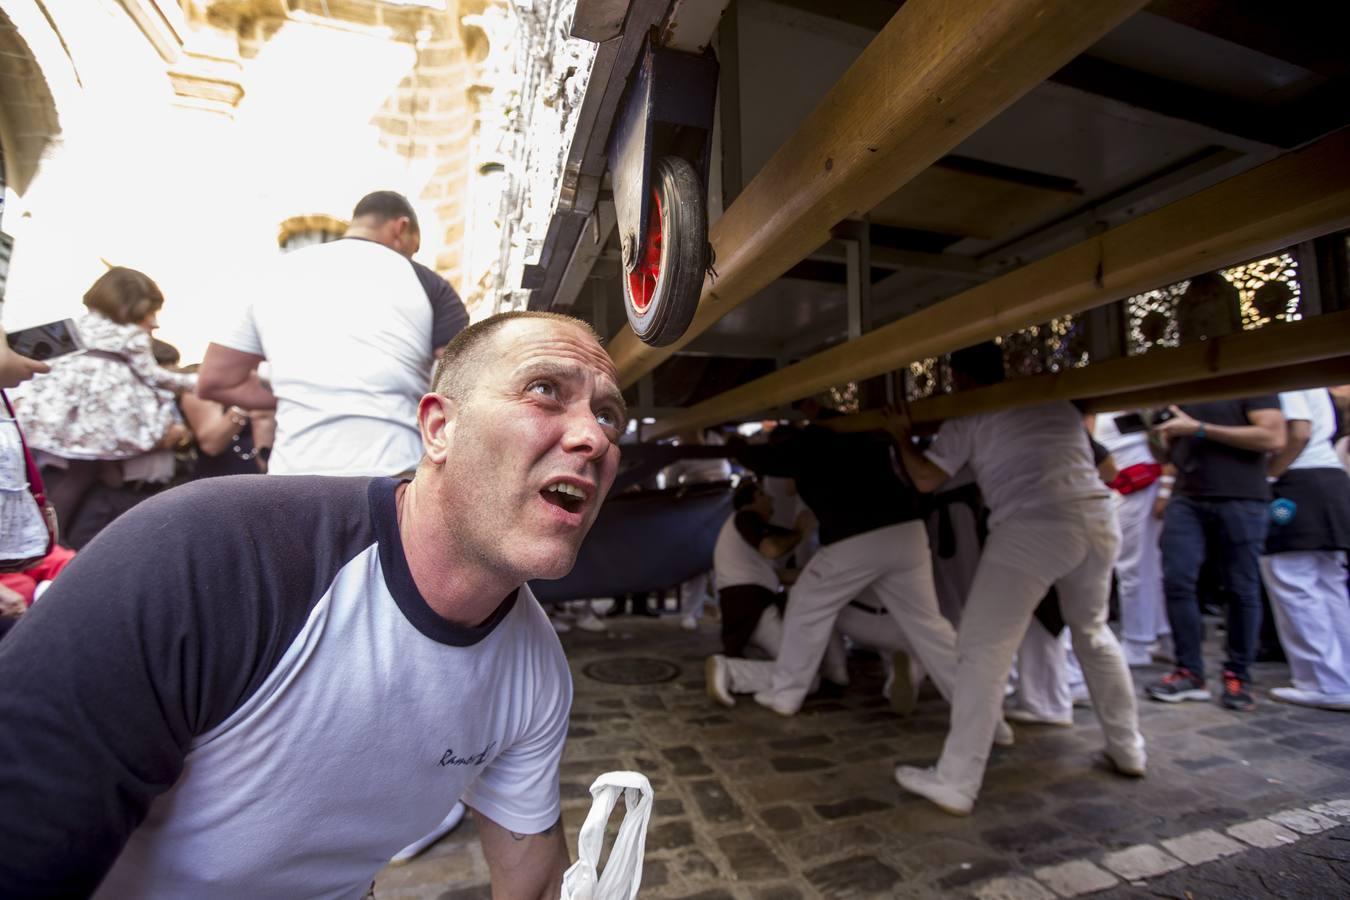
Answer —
(623, 870)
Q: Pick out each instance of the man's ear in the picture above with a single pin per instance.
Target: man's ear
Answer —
(436, 422)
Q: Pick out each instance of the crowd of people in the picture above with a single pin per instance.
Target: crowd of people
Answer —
(280, 682)
(1037, 517)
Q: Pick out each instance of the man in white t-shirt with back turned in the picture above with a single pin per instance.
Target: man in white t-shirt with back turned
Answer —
(347, 328)
(1051, 523)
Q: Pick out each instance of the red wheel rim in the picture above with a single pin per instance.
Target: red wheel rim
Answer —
(642, 280)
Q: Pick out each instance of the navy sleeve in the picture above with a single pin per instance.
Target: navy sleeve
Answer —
(448, 315)
(155, 633)
(781, 457)
(1261, 401)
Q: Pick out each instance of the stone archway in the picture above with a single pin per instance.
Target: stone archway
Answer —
(28, 119)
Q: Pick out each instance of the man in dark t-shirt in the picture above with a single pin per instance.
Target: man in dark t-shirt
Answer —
(1218, 452)
(872, 535)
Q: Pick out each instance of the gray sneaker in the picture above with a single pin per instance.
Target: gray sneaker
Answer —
(1178, 685)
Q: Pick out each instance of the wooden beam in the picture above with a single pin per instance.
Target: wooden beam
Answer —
(1291, 199)
(1294, 377)
(1297, 377)
(937, 72)
(1310, 340)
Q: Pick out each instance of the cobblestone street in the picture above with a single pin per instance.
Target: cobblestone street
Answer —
(750, 805)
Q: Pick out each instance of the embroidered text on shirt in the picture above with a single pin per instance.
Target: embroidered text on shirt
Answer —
(448, 758)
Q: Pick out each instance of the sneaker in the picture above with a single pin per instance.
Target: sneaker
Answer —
(926, 784)
(689, 623)
(448, 824)
(1177, 686)
(1131, 765)
(1003, 734)
(587, 620)
(716, 678)
(768, 700)
(1315, 699)
(559, 625)
(1237, 694)
(1027, 717)
(901, 686)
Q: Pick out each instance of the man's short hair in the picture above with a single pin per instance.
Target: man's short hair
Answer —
(458, 369)
(124, 295)
(385, 205)
(982, 363)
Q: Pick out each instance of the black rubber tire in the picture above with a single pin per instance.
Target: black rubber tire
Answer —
(684, 255)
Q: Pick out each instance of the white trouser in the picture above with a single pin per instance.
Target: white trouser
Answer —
(694, 594)
(1073, 547)
(1312, 613)
(953, 576)
(894, 562)
(1143, 609)
(750, 676)
(1042, 674)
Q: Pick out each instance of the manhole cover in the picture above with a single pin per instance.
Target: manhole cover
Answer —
(632, 670)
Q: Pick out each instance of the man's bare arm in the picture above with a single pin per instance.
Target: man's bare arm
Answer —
(1265, 434)
(524, 866)
(926, 475)
(1300, 433)
(229, 376)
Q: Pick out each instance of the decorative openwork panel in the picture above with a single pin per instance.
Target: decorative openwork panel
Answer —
(1023, 352)
(1066, 345)
(1152, 318)
(843, 398)
(1268, 290)
(1051, 347)
(921, 379)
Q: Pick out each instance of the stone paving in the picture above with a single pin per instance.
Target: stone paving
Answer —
(750, 805)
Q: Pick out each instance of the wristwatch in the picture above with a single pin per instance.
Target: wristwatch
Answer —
(1200, 431)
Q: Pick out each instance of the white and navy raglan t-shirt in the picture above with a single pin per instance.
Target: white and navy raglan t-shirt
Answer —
(237, 690)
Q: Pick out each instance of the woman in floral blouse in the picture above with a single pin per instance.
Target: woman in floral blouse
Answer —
(93, 417)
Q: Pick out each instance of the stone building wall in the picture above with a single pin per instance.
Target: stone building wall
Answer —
(176, 136)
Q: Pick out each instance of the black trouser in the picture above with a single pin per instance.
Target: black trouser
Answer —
(85, 503)
(741, 606)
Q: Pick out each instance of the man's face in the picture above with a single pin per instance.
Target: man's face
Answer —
(533, 448)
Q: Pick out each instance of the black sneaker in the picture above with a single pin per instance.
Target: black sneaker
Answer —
(1237, 694)
(1177, 686)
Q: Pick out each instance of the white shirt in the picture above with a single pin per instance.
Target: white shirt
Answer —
(1126, 449)
(1314, 407)
(735, 562)
(346, 327)
(359, 740)
(1024, 459)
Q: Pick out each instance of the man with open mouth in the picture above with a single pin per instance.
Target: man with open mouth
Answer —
(266, 686)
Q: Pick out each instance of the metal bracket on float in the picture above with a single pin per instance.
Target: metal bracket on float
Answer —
(666, 111)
